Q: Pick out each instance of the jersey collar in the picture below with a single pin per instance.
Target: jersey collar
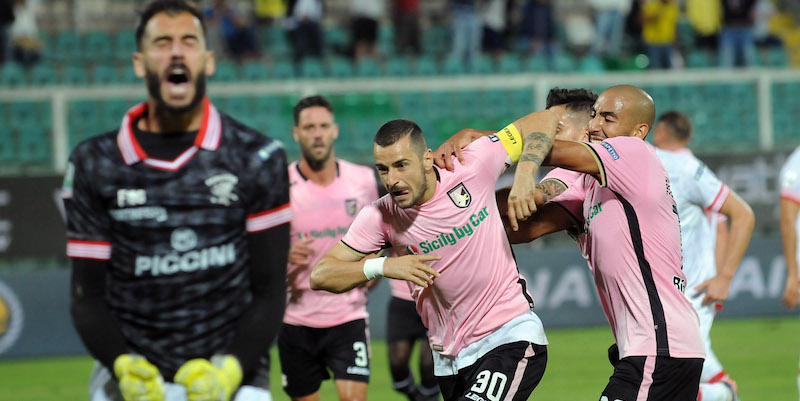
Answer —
(207, 138)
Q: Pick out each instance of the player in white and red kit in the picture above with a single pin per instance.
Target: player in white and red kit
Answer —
(624, 206)
(790, 225)
(322, 330)
(698, 192)
(488, 343)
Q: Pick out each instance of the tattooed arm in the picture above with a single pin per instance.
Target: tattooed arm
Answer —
(538, 131)
(545, 191)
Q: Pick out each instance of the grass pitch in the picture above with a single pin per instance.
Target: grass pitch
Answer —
(760, 354)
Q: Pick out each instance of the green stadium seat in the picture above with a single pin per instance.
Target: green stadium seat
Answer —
(268, 106)
(699, 59)
(281, 70)
(398, 67)
(124, 45)
(254, 71)
(83, 120)
(23, 114)
(481, 65)
(495, 103)
(510, 63)
(439, 104)
(128, 76)
(564, 63)
(275, 42)
(43, 74)
(226, 71)
(113, 112)
(536, 63)
(34, 146)
(425, 66)
(336, 38)
(12, 76)
(411, 105)
(311, 68)
(340, 67)
(74, 75)
(590, 64)
(453, 66)
(775, 57)
(368, 68)
(8, 146)
(67, 47)
(467, 103)
(97, 46)
(103, 74)
(238, 107)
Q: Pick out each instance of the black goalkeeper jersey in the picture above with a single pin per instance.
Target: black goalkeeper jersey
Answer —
(175, 231)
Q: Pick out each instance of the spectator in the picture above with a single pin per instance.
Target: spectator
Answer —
(466, 30)
(494, 19)
(239, 37)
(705, 17)
(6, 19)
(609, 26)
(406, 26)
(366, 15)
(659, 24)
(26, 48)
(539, 28)
(303, 26)
(737, 46)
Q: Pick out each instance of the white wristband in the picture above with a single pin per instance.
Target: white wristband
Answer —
(374, 267)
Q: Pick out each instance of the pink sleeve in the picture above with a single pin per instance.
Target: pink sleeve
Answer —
(491, 153)
(624, 164)
(366, 234)
(572, 199)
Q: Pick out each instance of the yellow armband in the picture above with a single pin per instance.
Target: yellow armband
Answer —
(512, 141)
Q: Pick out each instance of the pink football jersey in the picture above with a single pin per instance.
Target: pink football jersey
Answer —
(632, 242)
(324, 214)
(566, 177)
(480, 288)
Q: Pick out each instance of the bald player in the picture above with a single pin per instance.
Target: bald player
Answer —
(623, 207)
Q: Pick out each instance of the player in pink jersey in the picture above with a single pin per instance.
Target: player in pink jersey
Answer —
(487, 342)
(697, 192)
(632, 242)
(321, 330)
(790, 221)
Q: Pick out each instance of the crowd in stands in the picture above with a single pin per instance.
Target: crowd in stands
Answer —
(656, 34)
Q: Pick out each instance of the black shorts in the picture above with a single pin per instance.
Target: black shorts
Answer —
(306, 354)
(403, 322)
(657, 378)
(508, 372)
(365, 29)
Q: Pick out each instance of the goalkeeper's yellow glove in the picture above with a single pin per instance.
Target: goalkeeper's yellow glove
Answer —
(139, 380)
(214, 380)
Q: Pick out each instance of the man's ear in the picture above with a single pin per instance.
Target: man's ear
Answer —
(641, 131)
(427, 160)
(138, 65)
(211, 64)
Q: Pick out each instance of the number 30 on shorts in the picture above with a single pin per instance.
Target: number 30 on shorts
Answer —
(490, 384)
(362, 358)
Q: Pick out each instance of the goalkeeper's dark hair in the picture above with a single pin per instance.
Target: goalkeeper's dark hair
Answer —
(572, 99)
(679, 124)
(396, 130)
(310, 101)
(171, 7)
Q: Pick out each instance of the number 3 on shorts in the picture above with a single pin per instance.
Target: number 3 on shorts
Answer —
(491, 384)
(362, 358)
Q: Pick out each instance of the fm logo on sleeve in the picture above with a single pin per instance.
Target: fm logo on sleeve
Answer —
(610, 149)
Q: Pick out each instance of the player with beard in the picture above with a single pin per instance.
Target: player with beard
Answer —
(176, 227)
(321, 330)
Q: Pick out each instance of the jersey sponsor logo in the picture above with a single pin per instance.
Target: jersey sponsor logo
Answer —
(494, 138)
(610, 149)
(183, 239)
(700, 170)
(594, 210)
(174, 262)
(357, 370)
(267, 150)
(331, 232)
(351, 205)
(460, 196)
(222, 186)
(448, 239)
(131, 197)
(11, 318)
(679, 283)
(156, 213)
(69, 178)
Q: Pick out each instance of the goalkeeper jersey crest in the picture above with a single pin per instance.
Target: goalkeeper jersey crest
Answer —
(175, 231)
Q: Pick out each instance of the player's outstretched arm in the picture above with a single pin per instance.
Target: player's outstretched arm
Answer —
(443, 156)
(341, 269)
(742, 222)
(789, 212)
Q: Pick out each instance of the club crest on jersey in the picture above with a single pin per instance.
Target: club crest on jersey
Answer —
(351, 205)
(222, 188)
(183, 239)
(412, 250)
(460, 196)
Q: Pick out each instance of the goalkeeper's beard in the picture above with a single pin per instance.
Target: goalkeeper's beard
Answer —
(162, 107)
